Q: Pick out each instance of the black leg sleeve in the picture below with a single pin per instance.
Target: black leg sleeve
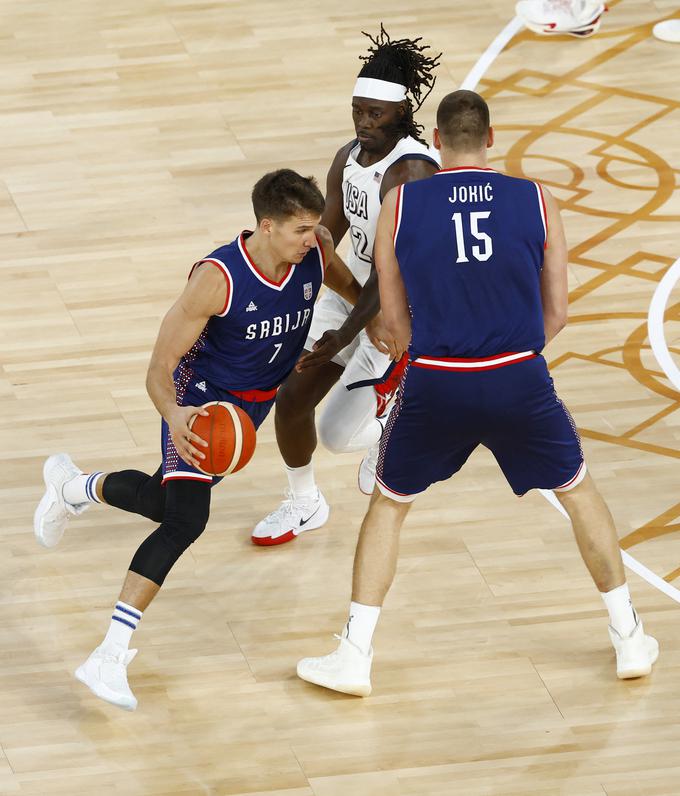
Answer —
(137, 492)
(187, 507)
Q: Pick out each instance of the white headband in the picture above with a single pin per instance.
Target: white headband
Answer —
(371, 88)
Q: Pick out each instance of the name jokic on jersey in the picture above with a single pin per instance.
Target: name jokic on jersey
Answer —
(278, 325)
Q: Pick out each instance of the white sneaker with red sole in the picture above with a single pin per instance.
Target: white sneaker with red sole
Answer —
(293, 517)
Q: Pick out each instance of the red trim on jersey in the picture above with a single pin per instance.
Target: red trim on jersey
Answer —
(571, 480)
(465, 168)
(545, 214)
(397, 214)
(322, 254)
(255, 396)
(475, 364)
(227, 278)
(257, 270)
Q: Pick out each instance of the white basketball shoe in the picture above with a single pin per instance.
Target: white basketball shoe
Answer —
(635, 653)
(347, 670)
(550, 17)
(293, 517)
(51, 516)
(105, 674)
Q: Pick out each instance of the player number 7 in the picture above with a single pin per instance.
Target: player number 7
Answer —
(278, 347)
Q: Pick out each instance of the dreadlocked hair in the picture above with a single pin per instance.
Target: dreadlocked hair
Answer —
(402, 61)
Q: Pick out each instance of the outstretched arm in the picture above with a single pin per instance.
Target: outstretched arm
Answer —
(393, 298)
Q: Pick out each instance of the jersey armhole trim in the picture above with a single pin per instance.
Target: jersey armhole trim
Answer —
(322, 257)
(227, 278)
(544, 213)
(397, 213)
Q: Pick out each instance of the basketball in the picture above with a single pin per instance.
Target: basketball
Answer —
(230, 435)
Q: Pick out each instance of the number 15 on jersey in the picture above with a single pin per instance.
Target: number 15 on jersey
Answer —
(471, 220)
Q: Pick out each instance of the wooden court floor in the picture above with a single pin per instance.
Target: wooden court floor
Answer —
(131, 135)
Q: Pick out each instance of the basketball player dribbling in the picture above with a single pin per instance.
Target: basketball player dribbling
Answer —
(350, 363)
(233, 335)
(473, 282)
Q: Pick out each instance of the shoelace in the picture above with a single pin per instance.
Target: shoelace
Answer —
(286, 510)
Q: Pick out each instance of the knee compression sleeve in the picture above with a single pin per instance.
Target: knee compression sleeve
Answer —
(187, 507)
(137, 492)
(348, 421)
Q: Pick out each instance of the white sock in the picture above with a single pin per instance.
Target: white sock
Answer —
(123, 624)
(620, 607)
(82, 489)
(301, 480)
(361, 625)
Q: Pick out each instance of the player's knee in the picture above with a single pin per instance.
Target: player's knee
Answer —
(334, 436)
(292, 404)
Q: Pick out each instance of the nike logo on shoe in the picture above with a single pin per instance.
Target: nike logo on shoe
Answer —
(304, 522)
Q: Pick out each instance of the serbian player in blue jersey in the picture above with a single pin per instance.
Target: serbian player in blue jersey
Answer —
(472, 266)
(233, 335)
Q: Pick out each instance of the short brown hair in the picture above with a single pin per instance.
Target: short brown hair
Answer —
(285, 193)
(463, 121)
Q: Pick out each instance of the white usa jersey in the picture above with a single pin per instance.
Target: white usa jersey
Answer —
(361, 198)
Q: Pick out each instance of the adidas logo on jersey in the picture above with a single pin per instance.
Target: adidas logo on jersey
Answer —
(251, 307)
(200, 385)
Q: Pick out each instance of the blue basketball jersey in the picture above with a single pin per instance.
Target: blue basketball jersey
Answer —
(470, 245)
(254, 343)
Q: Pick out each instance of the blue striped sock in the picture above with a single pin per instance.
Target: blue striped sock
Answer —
(124, 622)
(82, 489)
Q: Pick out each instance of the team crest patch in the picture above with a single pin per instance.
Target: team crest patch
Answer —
(307, 291)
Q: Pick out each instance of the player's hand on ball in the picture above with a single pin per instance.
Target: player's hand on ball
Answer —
(187, 443)
(378, 334)
(326, 347)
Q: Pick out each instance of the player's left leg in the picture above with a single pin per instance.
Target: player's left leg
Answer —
(69, 492)
(355, 413)
(348, 669)
(187, 508)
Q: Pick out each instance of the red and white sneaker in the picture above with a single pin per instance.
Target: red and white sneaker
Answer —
(386, 391)
(578, 18)
(293, 517)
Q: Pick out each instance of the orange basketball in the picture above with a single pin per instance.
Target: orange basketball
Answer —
(230, 435)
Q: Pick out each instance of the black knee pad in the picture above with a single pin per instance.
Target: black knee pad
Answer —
(187, 508)
(137, 492)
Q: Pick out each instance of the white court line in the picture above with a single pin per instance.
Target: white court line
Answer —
(655, 324)
(491, 53)
(654, 321)
(632, 563)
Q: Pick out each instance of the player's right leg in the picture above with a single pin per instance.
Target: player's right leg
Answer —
(304, 507)
(598, 543)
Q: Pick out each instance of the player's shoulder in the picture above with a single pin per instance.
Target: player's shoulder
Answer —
(343, 153)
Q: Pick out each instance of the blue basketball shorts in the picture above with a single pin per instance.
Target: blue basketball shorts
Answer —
(447, 407)
(193, 390)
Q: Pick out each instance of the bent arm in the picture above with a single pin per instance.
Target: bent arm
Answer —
(393, 298)
(337, 275)
(554, 290)
(204, 295)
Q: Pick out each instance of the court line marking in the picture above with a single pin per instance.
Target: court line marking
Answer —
(657, 339)
(654, 320)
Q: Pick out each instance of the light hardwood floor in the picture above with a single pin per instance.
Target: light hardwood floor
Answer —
(131, 135)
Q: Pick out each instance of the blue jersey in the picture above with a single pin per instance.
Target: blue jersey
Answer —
(254, 343)
(470, 245)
